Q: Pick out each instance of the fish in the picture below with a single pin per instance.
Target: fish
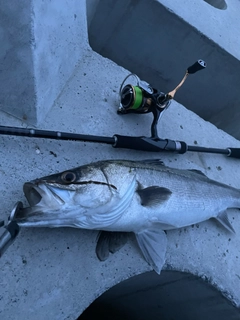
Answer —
(121, 197)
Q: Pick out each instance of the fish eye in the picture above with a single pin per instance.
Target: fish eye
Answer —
(68, 177)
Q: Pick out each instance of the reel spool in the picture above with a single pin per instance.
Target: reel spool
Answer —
(140, 98)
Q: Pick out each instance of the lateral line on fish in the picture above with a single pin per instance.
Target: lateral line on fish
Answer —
(97, 182)
(90, 181)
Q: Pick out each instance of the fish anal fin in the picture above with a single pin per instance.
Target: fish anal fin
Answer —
(110, 242)
(223, 219)
(117, 241)
(153, 244)
(154, 195)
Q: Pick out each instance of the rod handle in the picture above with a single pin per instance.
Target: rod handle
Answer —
(137, 143)
(149, 144)
(199, 65)
(234, 153)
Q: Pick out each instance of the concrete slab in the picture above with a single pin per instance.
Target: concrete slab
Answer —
(54, 273)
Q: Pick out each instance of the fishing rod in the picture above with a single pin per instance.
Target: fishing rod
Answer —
(118, 141)
(139, 99)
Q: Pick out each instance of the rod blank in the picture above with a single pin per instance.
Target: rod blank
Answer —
(35, 133)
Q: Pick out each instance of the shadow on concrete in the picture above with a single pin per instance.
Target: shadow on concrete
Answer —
(170, 296)
(218, 4)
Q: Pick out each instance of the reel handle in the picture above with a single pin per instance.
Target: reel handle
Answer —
(199, 65)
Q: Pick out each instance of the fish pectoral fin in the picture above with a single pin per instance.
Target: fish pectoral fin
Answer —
(153, 244)
(154, 195)
(223, 219)
(110, 242)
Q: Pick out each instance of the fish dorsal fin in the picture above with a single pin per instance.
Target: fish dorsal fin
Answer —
(153, 244)
(223, 219)
(154, 195)
(157, 162)
(110, 242)
(198, 172)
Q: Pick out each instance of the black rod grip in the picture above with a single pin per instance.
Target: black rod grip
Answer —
(234, 153)
(139, 143)
(199, 65)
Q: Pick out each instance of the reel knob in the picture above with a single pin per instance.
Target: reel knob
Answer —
(199, 65)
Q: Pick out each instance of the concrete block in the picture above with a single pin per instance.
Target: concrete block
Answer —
(41, 43)
(158, 40)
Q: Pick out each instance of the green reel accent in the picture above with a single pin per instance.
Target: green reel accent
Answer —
(138, 98)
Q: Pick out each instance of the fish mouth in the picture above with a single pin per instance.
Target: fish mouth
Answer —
(32, 193)
(39, 196)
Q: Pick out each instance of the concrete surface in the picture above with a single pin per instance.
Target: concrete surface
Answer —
(54, 273)
(39, 51)
(159, 40)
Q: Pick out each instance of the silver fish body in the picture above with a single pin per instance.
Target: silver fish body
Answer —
(144, 197)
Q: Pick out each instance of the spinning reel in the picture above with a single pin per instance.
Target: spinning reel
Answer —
(142, 98)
